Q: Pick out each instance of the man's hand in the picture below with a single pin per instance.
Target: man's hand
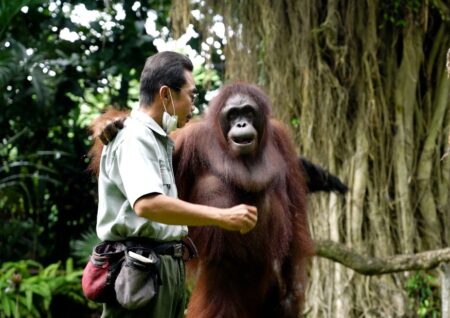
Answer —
(240, 218)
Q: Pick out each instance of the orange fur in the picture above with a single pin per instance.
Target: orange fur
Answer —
(261, 273)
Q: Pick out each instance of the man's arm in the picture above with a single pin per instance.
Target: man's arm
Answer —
(168, 210)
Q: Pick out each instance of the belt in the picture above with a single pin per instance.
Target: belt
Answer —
(176, 249)
(172, 249)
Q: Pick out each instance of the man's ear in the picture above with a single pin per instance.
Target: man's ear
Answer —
(164, 93)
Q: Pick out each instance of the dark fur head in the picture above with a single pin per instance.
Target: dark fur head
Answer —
(213, 113)
(208, 142)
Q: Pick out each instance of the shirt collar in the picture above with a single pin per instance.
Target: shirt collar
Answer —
(147, 121)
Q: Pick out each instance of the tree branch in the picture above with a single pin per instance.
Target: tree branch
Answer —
(368, 265)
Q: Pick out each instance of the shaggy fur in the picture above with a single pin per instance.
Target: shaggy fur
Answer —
(261, 273)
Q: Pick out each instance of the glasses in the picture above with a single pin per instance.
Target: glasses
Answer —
(192, 94)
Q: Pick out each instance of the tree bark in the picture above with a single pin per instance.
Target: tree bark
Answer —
(363, 82)
(445, 289)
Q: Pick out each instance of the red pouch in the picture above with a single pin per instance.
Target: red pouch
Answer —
(101, 271)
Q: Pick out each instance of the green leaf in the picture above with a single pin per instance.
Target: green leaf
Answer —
(7, 305)
(28, 312)
(76, 275)
(29, 299)
(38, 288)
(51, 270)
(69, 266)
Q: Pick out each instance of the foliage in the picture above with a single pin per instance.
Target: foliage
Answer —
(81, 248)
(423, 292)
(398, 13)
(27, 288)
(61, 64)
(395, 11)
(50, 88)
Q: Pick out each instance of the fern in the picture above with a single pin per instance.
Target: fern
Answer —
(11, 60)
(8, 67)
(82, 248)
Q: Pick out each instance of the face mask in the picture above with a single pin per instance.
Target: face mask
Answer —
(169, 123)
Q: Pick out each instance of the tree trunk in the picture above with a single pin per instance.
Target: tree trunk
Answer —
(365, 81)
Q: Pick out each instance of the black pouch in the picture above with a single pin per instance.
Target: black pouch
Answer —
(138, 281)
(101, 271)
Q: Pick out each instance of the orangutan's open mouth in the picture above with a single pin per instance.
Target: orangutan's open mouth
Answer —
(243, 140)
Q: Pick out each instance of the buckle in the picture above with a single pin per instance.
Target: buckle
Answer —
(178, 250)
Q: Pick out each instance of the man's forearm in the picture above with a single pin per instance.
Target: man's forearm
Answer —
(168, 210)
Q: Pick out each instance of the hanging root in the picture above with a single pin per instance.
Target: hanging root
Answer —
(448, 63)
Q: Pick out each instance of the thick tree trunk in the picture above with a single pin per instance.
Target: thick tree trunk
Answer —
(365, 81)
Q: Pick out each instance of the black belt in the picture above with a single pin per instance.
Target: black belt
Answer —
(177, 249)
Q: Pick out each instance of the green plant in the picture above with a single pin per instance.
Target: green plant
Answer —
(27, 184)
(423, 293)
(27, 288)
(82, 248)
(395, 11)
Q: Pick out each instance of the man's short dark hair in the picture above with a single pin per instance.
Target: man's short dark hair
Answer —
(164, 68)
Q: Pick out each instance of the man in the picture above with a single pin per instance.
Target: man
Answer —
(137, 192)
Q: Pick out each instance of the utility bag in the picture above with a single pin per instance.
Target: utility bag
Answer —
(138, 280)
(128, 272)
(101, 271)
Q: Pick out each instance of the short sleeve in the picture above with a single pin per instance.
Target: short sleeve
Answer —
(139, 167)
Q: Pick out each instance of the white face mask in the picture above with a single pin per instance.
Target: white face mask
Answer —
(169, 123)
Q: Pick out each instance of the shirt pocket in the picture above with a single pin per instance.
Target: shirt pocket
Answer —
(165, 174)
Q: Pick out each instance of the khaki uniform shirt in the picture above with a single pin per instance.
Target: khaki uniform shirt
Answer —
(137, 162)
